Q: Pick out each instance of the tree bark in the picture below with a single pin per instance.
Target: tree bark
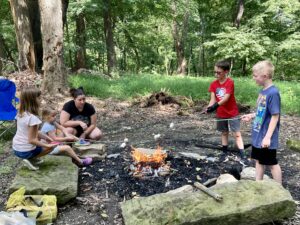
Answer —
(2, 52)
(240, 13)
(20, 13)
(179, 39)
(52, 35)
(81, 42)
(109, 37)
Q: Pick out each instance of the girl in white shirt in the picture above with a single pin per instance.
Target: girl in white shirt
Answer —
(26, 142)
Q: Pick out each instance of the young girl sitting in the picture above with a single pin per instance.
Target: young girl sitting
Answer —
(26, 142)
(53, 129)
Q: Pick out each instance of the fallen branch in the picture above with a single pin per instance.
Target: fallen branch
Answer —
(207, 191)
(209, 181)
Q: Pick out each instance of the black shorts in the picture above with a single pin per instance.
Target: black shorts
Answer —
(264, 156)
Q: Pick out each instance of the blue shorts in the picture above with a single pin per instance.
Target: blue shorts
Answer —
(30, 154)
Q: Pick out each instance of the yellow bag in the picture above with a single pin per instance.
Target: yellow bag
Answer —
(43, 208)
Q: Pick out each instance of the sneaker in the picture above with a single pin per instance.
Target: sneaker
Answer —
(87, 161)
(245, 162)
(36, 161)
(223, 157)
(82, 142)
(29, 165)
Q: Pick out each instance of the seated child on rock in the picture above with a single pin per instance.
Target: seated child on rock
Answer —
(49, 129)
(27, 143)
(53, 129)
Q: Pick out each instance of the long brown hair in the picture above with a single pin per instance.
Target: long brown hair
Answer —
(29, 101)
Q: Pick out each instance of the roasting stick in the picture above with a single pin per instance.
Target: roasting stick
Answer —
(207, 191)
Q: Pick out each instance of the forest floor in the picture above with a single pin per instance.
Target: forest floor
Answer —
(97, 203)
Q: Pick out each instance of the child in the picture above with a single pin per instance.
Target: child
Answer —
(26, 142)
(265, 130)
(222, 99)
(51, 127)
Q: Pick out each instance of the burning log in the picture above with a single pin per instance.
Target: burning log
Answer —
(207, 191)
(149, 163)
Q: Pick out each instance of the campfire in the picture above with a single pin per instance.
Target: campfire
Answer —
(147, 162)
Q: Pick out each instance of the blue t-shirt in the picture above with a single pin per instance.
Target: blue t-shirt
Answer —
(47, 127)
(268, 104)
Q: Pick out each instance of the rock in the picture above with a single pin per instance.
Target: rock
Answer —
(248, 173)
(96, 151)
(226, 178)
(244, 202)
(192, 155)
(183, 189)
(293, 145)
(57, 176)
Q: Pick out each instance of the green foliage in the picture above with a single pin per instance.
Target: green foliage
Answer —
(144, 43)
(131, 86)
(240, 44)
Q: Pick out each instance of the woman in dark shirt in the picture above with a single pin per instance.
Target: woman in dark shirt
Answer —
(79, 117)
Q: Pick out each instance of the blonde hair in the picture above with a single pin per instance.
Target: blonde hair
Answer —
(264, 67)
(47, 112)
(29, 101)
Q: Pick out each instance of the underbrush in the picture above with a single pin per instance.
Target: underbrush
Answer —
(131, 86)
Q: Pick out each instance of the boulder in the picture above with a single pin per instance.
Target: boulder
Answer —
(96, 151)
(248, 173)
(245, 203)
(57, 176)
(293, 145)
(226, 178)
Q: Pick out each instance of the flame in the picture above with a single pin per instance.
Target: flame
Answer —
(157, 157)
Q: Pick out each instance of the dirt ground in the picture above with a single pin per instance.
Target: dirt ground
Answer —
(119, 120)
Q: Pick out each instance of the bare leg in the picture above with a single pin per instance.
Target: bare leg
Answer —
(259, 170)
(45, 151)
(239, 140)
(96, 134)
(67, 150)
(276, 173)
(225, 138)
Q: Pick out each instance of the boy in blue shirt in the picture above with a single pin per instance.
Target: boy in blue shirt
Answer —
(265, 129)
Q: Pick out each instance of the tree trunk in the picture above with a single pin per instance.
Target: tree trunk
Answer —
(20, 13)
(179, 39)
(52, 34)
(109, 37)
(240, 13)
(81, 42)
(135, 49)
(68, 40)
(2, 52)
(35, 22)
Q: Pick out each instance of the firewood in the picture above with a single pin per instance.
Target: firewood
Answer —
(207, 191)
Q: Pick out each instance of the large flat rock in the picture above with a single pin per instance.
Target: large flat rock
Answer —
(57, 176)
(244, 203)
(97, 151)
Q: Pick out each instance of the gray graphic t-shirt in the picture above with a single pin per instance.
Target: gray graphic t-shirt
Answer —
(268, 104)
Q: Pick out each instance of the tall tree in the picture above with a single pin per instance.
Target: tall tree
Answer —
(109, 36)
(20, 13)
(52, 35)
(179, 35)
(80, 41)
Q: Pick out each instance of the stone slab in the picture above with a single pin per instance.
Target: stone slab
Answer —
(97, 151)
(57, 176)
(244, 203)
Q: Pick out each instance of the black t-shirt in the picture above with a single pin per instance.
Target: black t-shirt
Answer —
(84, 115)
